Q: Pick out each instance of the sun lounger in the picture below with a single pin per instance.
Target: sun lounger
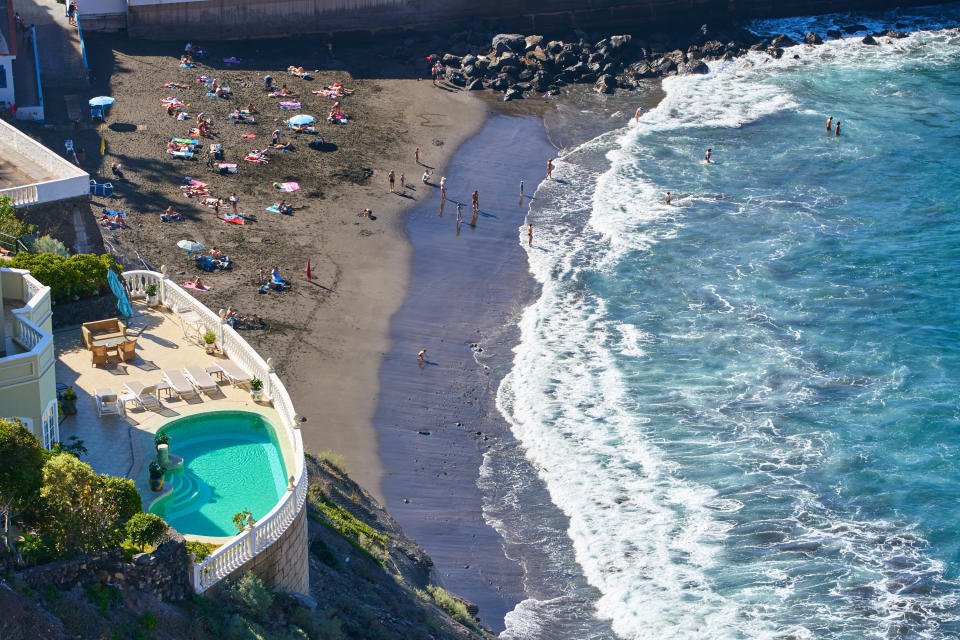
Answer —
(179, 383)
(108, 403)
(146, 396)
(200, 379)
(233, 372)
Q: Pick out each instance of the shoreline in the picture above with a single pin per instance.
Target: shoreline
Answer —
(466, 292)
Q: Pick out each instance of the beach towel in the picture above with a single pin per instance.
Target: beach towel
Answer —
(286, 186)
(339, 119)
(232, 60)
(249, 135)
(275, 209)
(289, 105)
(182, 116)
(227, 168)
(210, 202)
(211, 95)
(195, 183)
(190, 285)
(180, 153)
(174, 85)
(187, 65)
(171, 100)
(206, 79)
(115, 213)
(232, 219)
(187, 141)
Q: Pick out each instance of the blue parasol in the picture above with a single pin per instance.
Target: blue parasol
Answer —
(123, 302)
(300, 120)
(102, 101)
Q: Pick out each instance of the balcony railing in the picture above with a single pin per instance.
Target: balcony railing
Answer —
(239, 550)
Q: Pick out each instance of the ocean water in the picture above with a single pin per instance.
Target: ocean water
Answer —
(746, 405)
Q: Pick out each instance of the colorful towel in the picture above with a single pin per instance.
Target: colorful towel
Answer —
(197, 183)
(188, 141)
(115, 213)
(187, 65)
(227, 168)
(171, 100)
(274, 209)
(205, 79)
(190, 285)
(289, 105)
(286, 186)
(180, 153)
(232, 219)
(232, 60)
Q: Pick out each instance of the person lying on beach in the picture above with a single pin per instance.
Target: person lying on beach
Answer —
(286, 92)
(283, 146)
(276, 277)
(170, 216)
(174, 85)
(172, 109)
(217, 254)
(283, 207)
(250, 109)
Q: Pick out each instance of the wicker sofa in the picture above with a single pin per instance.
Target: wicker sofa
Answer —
(109, 328)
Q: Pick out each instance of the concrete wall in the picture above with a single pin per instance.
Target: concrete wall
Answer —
(229, 19)
(284, 565)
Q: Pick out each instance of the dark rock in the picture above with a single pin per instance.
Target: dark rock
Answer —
(541, 82)
(594, 58)
(694, 66)
(812, 38)
(459, 49)
(853, 28)
(554, 47)
(757, 47)
(554, 91)
(619, 43)
(471, 71)
(532, 42)
(834, 34)
(566, 58)
(475, 85)
(506, 60)
(537, 55)
(890, 33)
(729, 55)
(869, 40)
(468, 60)
(663, 66)
(482, 64)
(526, 75)
(712, 49)
(606, 84)
(782, 41)
(513, 93)
(626, 82)
(734, 48)
(775, 52)
(796, 56)
(612, 68)
(504, 42)
(454, 77)
(595, 68)
(677, 56)
(500, 83)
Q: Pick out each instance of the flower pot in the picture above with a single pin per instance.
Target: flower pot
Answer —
(256, 395)
(211, 348)
(69, 406)
(156, 484)
(153, 300)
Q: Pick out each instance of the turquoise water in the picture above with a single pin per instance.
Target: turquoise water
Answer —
(747, 403)
(231, 462)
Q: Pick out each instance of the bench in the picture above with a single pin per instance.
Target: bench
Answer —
(102, 329)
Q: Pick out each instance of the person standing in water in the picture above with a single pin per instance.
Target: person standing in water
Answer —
(476, 201)
(549, 167)
(709, 153)
(829, 121)
(666, 198)
(422, 355)
(521, 187)
(836, 129)
(391, 177)
(636, 117)
(443, 188)
(529, 235)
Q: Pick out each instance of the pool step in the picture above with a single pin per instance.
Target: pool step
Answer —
(189, 494)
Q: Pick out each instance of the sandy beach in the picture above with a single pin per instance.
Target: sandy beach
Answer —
(326, 336)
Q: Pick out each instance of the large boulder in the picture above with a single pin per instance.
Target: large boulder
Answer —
(475, 85)
(853, 28)
(677, 56)
(471, 71)
(508, 59)
(869, 40)
(835, 34)
(619, 43)
(775, 52)
(890, 33)
(500, 83)
(694, 66)
(454, 77)
(642, 69)
(782, 41)
(532, 42)
(664, 66)
(812, 38)
(566, 57)
(513, 93)
(449, 60)
(541, 82)
(554, 47)
(606, 84)
(712, 49)
(504, 42)
(468, 60)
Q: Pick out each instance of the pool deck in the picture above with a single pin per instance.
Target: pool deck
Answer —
(122, 445)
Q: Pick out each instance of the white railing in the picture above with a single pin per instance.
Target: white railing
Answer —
(239, 550)
(21, 196)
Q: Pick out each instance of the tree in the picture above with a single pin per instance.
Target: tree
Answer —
(20, 470)
(124, 494)
(10, 224)
(146, 528)
(78, 515)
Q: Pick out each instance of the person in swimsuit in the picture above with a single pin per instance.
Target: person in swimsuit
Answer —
(836, 129)
(549, 167)
(709, 153)
(829, 120)
(391, 177)
(666, 198)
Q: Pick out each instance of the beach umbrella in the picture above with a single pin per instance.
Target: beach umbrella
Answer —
(101, 101)
(300, 120)
(190, 246)
(123, 302)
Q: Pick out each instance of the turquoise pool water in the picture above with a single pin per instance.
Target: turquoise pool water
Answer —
(231, 462)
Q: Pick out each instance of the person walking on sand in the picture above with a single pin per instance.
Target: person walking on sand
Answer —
(476, 201)
(709, 153)
(666, 198)
(549, 167)
(416, 155)
(829, 120)
(422, 355)
(233, 203)
(836, 129)
(391, 177)
(443, 188)
(403, 182)
(529, 235)
(426, 176)
(459, 213)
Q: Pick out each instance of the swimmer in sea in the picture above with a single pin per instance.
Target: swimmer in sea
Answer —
(829, 121)
(837, 129)
(636, 117)
(666, 198)
(709, 153)
(529, 235)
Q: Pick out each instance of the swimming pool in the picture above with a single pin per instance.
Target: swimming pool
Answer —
(231, 462)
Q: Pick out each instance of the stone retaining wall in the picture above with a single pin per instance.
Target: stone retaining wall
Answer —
(284, 565)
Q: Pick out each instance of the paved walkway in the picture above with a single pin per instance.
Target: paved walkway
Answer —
(58, 43)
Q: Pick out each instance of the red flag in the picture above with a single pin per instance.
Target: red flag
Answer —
(308, 268)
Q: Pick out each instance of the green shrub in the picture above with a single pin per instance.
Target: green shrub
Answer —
(21, 469)
(68, 277)
(240, 519)
(51, 593)
(148, 621)
(10, 224)
(200, 549)
(146, 528)
(454, 608)
(103, 596)
(124, 494)
(250, 595)
(46, 244)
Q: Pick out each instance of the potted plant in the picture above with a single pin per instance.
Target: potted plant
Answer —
(152, 294)
(210, 340)
(156, 476)
(69, 402)
(160, 438)
(256, 389)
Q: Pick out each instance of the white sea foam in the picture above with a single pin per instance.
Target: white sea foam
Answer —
(647, 536)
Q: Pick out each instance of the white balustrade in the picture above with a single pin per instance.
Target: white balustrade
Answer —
(239, 550)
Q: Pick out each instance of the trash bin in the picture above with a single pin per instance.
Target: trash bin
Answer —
(108, 190)
(93, 187)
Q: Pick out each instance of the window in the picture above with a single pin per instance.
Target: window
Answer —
(3, 77)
